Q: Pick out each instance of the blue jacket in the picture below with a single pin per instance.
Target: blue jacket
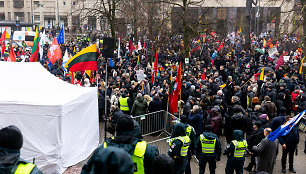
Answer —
(196, 121)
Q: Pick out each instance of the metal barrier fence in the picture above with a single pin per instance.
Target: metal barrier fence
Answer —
(160, 122)
(156, 122)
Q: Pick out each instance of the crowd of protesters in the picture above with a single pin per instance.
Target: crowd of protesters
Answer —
(232, 100)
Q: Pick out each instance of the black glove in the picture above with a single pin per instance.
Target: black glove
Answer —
(296, 151)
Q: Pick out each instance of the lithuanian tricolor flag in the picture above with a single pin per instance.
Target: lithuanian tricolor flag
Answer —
(86, 59)
(35, 48)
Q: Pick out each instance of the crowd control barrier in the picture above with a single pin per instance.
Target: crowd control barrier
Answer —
(156, 122)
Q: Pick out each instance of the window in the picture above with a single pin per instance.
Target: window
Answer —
(36, 2)
(20, 16)
(29, 38)
(1, 3)
(36, 18)
(18, 3)
(64, 3)
(9, 16)
(2, 16)
(222, 13)
(73, 3)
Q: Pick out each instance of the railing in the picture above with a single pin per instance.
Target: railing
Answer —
(156, 122)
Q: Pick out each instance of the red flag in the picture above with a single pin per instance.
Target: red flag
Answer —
(3, 35)
(177, 88)
(220, 47)
(154, 69)
(155, 64)
(279, 62)
(256, 76)
(72, 77)
(144, 45)
(12, 56)
(203, 75)
(2, 40)
(3, 48)
(131, 46)
(54, 52)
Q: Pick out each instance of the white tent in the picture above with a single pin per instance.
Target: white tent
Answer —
(59, 121)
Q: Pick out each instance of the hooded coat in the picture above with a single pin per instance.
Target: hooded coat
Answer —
(198, 147)
(140, 107)
(175, 149)
(238, 136)
(11, 141)
(110, 160)
(127, 140)
(215, 121)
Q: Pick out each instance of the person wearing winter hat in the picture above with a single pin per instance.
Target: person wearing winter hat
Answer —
(163, 164)
(111, 160)
(208, 150)
(11, 141)
(253, 140)
(142, 153)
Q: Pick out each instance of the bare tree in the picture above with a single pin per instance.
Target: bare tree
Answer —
(100, 8)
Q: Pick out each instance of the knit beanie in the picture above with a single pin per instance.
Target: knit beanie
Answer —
(11, 137)
(125, 123)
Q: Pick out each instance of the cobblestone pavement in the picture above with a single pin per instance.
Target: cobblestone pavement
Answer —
(299, 161)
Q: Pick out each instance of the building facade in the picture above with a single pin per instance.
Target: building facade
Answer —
(46, 13)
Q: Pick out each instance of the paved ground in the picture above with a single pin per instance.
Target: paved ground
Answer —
(299, 161)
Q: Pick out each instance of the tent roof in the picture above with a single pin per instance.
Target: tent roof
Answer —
(30, 83)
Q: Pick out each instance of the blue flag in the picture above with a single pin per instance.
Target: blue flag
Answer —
(50, 66)
(111, 63)
(61, 36)
(286, 128)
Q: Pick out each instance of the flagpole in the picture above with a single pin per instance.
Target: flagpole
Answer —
(105, 90)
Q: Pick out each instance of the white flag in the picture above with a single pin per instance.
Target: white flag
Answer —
(65, 59)
(119, 48)
(42, 42)
(139, 47)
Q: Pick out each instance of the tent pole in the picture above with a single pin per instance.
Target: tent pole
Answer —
(105, 99)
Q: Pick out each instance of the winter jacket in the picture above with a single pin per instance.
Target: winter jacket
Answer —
(198, 147)
(112, 160)
(215, 121)
(140, 107)
(270, 108)
(155, 105)
(195, 119)
(10, 159)
(179, 130)
(116, 115)
(279, 102)
(291, 139)
(127, 141)
(250, 96)
(267, 151)
(238, 136)
(277, 121)
(255, 138)
(238, 122)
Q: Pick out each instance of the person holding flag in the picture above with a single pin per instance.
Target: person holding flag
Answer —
(289, 144)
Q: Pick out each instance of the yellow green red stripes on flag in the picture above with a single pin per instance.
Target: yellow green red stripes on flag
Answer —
(86, 59)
